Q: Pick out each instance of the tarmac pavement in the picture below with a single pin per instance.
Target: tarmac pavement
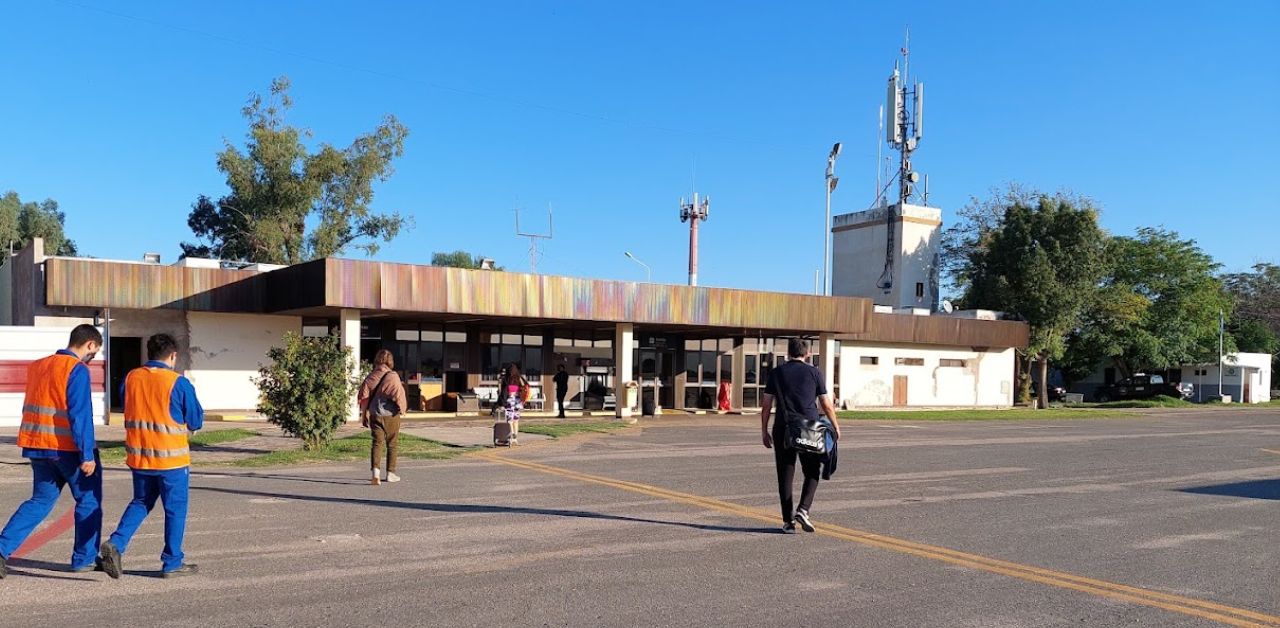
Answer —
(1167, 519)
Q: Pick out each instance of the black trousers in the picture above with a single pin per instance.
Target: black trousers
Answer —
(810, 465)
(560, 394)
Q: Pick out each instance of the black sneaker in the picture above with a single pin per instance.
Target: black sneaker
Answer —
(789, 527)
(184, 570)
(112, 563)
(802, 518)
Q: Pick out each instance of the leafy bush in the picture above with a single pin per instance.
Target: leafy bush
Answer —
(1159, 401)
(307, 388)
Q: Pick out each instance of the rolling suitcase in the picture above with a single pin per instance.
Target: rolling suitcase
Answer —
(501, 434)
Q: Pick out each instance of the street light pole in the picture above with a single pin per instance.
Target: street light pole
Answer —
(831, 181)
(648, 272)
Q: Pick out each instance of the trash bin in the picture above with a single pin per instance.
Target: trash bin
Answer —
(648, 403)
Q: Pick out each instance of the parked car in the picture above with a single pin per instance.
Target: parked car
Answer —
(1056, 393)
(1142, 386)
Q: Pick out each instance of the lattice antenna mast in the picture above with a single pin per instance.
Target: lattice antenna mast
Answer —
(904, 131)
(534, 238)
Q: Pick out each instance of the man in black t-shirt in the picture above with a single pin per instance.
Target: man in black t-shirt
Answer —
(562, 387)
(800, 387)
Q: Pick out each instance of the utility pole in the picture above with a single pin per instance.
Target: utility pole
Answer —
(693, 213)
(832, 181)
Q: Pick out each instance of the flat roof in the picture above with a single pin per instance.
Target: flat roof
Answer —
(324, 287)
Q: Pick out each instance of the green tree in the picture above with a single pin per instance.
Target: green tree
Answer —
(20, 222)
(1175, 316)
(307, 388)
(288, 204)
(982, 216)
(1041, 264)
(1253, 336)
(459, 259)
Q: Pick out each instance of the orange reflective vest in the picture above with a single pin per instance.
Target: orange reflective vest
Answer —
(153, 441)
(46, 421)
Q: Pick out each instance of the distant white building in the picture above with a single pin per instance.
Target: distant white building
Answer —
(1245, 376)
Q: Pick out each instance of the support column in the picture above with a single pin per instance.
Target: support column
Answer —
(349, 332)
(623, 338)
(827, 348)
(739, 378)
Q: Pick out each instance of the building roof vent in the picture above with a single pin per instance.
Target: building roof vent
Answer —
(151, 258)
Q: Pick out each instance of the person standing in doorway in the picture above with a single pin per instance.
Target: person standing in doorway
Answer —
(512, 394)
(160, 411)
(382, 401)
(562, 388)
(56, 435)
(798, 389)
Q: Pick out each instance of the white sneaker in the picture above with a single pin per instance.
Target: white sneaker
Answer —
(377, 477)
(391, 477)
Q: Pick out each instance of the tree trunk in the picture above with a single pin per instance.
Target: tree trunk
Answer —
(1044, 382)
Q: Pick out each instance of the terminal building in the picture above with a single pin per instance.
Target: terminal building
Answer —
(451, 330)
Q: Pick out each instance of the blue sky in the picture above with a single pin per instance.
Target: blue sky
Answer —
(1164, 113)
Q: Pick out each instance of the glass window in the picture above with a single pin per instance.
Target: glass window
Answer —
(709, 367)
(726, 367)
(455, 336)
(432, 356)
(1157, 379)
(692, 345)
(315, 331)
(581, 343)
(432, 335)
(533, 362)
(533, 341)
(750, 375)
(492, 363)
(948, 362)
(751, 397)
(604, 344)
(725, 345)
(869, 360)
(407, 332)
(511, 339)
(692, 360)
(563, 342)
(909, 361)
(511, 354)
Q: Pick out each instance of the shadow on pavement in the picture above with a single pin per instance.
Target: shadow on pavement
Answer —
(19, 567)
(291, 478)
(485, 509)
(1257, 489)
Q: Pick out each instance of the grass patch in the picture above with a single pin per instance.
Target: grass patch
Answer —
(557, 430)
(1013, 414)
(355, 448)
(112, 451)
(1160, 401)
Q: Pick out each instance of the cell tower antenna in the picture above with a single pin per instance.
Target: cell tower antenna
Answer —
(534, 251)
(693, 213)
(906, 127)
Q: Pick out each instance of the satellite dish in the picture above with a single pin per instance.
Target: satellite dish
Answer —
(947, 307)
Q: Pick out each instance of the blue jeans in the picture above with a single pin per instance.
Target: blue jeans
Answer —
(48, 476)
(171, 487)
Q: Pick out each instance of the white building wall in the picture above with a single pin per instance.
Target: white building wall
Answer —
(33, 343)
(858, 252)
(226, 351)
(985, 379)
(1254, 368)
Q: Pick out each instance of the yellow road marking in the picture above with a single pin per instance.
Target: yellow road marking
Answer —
(1203, 609)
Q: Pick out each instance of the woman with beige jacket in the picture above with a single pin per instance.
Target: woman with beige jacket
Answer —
(382, 401)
